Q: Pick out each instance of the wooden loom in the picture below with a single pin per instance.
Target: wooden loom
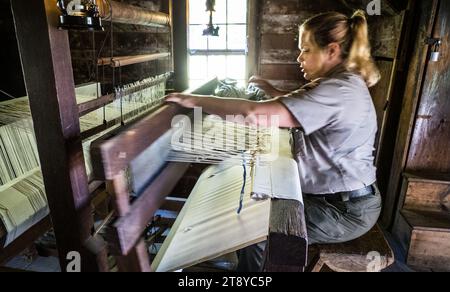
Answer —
(56, 122)
(282, 221)
(71, 213)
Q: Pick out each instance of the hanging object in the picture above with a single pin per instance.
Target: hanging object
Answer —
(435, 51)
(211, 30)
(80, 15)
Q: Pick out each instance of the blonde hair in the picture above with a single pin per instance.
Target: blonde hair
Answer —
(352, 35)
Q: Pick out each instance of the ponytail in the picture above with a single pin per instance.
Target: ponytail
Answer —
(360, 58)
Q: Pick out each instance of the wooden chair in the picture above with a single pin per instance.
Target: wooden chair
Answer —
(370, 253)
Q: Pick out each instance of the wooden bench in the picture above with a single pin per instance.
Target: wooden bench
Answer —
(369, 253)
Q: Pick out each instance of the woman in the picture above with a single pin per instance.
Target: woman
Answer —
(334, 126)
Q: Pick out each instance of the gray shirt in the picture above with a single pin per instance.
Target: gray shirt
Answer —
(335, 145)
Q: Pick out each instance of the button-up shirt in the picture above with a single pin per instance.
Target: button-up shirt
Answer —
(334, 147)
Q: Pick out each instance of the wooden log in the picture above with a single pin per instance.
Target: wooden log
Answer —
(124, 13)
(287, 248)
(117, 62)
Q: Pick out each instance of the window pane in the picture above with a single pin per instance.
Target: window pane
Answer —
(220, 42)
(196, 83)
(220, 16)
(217, 66)
(236, 67)
(198, 67)
(237, 11)
(237, 37)
(196, 39)
(197, 12)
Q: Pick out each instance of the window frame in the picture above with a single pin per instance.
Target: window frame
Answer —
(220, 52)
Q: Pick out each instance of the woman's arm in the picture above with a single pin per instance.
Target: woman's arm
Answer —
(258, 113)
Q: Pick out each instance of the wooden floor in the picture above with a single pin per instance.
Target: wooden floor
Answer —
(51, 264)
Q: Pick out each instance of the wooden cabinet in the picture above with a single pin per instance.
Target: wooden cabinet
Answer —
(423, 224)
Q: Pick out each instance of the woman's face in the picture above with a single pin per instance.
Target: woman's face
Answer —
(312, 59)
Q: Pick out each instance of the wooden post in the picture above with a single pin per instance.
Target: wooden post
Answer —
(47, 66)
(287, 248)
(253, 37)
(180, 43)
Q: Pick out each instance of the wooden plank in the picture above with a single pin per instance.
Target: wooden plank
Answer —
(180, 44)
(25, 240)
(134, 219)
(136, 261)
(354, 256)
(381, 94)
(385, 35)
(281, 71)
(288, 239)
(113, 152)
(171, 204)
(279, 42)
(209, 225)
(253, 38)
(56, 125)
(123, 61)
(118, 12)
(433, 116)
(425, 194)
(90, 106)
(427, 12)
(136, 258)
(402, 231)
(430, 249)
(279, 56)
(427, 220)
(3, 233)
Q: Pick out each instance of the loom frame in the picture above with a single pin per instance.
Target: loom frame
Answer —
(287, 241)
(50, 86)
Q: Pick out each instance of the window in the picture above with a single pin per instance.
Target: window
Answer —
(222, 56)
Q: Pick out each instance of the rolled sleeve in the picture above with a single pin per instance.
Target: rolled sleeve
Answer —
(317, 108)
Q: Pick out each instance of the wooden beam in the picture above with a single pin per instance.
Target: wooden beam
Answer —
(92, 105)
(50, 86)
(287, 247)
(426, 15)
(123, 61)
(180, 44)
(132, 223)
(25, 240)
(253, 37)
(125, 13)
(113, 152)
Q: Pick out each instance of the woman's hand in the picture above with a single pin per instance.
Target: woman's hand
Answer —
(184, 100)
(261, 83)
(268, 88)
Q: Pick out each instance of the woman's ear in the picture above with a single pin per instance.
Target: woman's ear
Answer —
(334, 51)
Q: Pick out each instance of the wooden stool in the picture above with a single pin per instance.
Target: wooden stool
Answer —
(369, 253)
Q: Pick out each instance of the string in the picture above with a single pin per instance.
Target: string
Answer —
(241, 199)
